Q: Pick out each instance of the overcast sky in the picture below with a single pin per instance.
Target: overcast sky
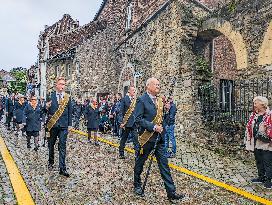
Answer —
(22, 20)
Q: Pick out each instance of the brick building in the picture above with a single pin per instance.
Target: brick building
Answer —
(184, 43)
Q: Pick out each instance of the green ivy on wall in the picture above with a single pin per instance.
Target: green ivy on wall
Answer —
(232, 6)
(203, 68)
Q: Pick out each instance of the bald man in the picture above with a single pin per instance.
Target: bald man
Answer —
(148, 120)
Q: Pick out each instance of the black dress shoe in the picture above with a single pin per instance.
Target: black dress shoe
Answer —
(175, 196)
(138, 191)
(64, 173)
(50, 167)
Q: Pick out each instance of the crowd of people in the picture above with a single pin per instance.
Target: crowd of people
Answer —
(149, 125)
(147, 120)
(109, 114)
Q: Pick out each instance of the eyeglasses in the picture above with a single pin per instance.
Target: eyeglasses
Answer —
(33, 99)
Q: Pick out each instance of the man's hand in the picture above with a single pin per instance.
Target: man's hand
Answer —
(21, 126)
(48, 104)
(70, 128)
(122, 125)
(158, 128)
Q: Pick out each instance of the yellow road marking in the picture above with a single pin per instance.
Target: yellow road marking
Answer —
(196, 175)
(20, 189)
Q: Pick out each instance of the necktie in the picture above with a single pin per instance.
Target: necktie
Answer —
(155, 100)
(59, 97)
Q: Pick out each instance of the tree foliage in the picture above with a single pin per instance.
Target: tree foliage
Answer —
(19, 85)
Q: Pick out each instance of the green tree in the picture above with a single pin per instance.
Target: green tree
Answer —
(19, 85)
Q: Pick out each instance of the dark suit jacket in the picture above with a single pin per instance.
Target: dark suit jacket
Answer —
(92, 117)
(145, 111)
(18, 112)
(65, 119)
(9, 106)
(33, 118)
(124, 105)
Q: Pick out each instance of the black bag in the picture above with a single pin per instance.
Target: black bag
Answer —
(263, 137)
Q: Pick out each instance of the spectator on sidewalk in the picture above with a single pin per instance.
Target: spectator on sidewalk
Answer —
(169, 126)
(258, 140)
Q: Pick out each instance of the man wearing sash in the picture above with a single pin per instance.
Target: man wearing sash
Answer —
(148, 120)
(59, 110)
(127, 106)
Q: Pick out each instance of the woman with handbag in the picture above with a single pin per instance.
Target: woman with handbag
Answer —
(258, 140)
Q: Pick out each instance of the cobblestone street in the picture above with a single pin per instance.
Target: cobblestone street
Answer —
(6, 192)
(224, 169)
(99, 177)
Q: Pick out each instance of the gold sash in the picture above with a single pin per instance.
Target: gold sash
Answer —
(59, 112)
(157, 121)
(129, 111)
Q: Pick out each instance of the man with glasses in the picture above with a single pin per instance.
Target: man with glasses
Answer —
(59, 110)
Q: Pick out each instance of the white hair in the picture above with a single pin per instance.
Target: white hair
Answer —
(262, 100)
(149, 80)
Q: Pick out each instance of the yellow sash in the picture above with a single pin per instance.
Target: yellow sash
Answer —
(157, 121)
(59, 112)
(129, 111)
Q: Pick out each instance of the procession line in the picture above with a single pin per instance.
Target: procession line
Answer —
(195, 174)
(20, 189)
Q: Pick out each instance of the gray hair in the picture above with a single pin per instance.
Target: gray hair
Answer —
(262, 100)
(149, 80)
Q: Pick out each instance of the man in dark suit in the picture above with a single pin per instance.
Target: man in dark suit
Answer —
(127, 121)
(146, 112)
(9, 109)
(60, 125)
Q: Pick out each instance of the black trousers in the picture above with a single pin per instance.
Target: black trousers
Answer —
(264, 163)
(60, 133)
(124, 136)
(162, 163)
(8, 119)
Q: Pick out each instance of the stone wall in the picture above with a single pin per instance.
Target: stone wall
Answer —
(163, 49)
(98, 67)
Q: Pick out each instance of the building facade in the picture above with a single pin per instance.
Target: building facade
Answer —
(184, 43)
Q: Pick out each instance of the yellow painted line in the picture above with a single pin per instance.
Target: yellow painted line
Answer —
(196, 175)
(20, 189)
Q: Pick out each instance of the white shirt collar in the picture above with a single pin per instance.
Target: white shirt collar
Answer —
(151, 96)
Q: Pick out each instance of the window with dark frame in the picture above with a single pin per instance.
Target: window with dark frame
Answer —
(226, 95)
(128, 16)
